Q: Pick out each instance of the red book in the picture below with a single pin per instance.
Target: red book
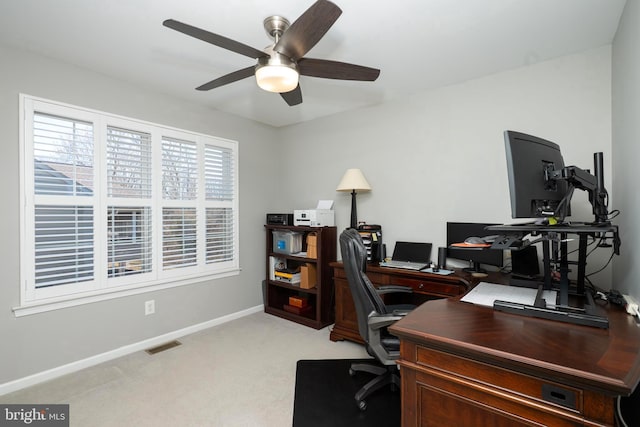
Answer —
(297, 310)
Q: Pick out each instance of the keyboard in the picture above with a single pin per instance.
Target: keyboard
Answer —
(407, 265)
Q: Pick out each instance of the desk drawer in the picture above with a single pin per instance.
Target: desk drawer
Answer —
(503, 380)
(430, 286)
(376, 278)
(445, 400)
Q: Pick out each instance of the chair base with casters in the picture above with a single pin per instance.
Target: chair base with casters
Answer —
(380, 341)
(386, 371)
(374, 316)
(385, 376)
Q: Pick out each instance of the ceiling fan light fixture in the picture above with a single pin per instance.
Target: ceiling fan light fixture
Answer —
(277, 78)
(276, 73)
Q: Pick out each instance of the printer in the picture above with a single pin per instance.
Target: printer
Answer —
(321, 216)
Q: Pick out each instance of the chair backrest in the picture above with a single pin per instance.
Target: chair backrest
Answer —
(365, 297)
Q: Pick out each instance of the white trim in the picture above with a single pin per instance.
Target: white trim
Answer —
(59, 371)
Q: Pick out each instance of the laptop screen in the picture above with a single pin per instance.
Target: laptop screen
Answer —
(412, 252)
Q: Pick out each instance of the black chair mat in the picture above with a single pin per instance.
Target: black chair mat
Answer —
(324, 397)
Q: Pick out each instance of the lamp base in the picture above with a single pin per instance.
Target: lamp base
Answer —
(354, 210)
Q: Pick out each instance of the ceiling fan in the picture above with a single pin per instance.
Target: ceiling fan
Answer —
(280, 64)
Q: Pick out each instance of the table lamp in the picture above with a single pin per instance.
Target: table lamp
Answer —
(353, 180)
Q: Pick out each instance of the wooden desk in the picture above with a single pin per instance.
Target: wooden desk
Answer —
(466, 365)
(426, 286)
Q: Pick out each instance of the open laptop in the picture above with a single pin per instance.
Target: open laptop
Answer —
(410, 255)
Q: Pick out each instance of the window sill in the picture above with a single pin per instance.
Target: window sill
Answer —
(28, 309)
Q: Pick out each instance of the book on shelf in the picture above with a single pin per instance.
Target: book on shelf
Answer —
(293, 279)
(286, 274)
(280, 270)
(276, 264)
(299, 302)
(298, 310)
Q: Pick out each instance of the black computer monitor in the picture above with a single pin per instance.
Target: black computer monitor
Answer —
(530, 163)
(458, 232)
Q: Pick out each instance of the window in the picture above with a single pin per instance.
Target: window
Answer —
(114, 205)
(179, 219)
(129, 228)
(219, 195)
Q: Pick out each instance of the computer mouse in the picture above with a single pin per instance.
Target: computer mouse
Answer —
(474, 240)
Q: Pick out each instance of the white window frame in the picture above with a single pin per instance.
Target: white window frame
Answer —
(34, 300)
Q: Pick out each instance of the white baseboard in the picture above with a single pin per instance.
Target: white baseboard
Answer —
(59, 371)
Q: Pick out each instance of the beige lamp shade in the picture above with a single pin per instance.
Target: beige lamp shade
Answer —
(353, 179)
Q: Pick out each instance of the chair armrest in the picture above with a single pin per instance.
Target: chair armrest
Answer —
(393, 288)
(400, 313)
(379, 321)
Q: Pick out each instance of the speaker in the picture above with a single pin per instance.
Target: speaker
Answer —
(442, 258)
(524, 263)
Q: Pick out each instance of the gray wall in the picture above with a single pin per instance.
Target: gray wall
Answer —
(39, 342)
(438, 156)
(626, 146)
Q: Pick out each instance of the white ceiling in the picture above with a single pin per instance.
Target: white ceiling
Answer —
(417, 44)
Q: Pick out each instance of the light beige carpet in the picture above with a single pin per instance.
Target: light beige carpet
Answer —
(241, 373)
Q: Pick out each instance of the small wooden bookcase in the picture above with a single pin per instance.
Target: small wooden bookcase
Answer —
(319, 299)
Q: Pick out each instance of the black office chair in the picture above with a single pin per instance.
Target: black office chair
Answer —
(373, 318)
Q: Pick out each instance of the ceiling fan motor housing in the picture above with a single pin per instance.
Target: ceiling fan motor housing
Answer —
(275, 26)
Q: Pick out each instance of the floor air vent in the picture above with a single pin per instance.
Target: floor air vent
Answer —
(163, 347)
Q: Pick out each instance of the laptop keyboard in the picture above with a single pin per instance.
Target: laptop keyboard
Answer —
(404, 264)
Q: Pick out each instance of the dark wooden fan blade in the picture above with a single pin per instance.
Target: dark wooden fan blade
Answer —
(294, 97)
(229, 78)
(308, 29)
(336, 70)
(214, 39)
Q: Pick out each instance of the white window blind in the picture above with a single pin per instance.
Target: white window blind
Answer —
(129, 240)
(220, 190)
(128, 163)
(179, 169)
(129, 176)
(63, 152)
(219, 173)
(63, 156)
(220, 236)
(179, 182)
(113, 205)
(179, 240)
(63, 245)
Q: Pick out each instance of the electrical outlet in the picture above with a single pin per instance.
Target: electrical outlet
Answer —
(149, 307)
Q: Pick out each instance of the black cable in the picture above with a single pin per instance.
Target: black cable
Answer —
(619, 412)
(605, 266)
(506, 268)
(588, 244)
(614, 213)
(602, 238)
(560, 210)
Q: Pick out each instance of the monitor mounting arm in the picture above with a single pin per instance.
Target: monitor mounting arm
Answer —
(593, 184)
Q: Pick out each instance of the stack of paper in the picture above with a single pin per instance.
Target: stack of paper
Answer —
(487, 293)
